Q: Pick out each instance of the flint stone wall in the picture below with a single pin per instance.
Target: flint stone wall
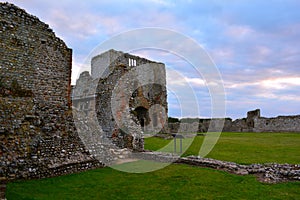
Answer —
(278, 124)
(37, 60)
(200, 125)
(269, 173)
(253, 123)
(37, 134)
(125, 106)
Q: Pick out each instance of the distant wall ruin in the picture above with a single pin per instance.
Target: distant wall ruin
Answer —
(277, 124)
(253, 123)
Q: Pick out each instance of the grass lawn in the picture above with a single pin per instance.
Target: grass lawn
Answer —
(244, 148)
(173, 182)
(178, 181)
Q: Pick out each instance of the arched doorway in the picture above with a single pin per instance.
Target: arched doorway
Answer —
(142, 115)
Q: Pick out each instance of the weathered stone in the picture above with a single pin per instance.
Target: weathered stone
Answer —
(271, 173)
(253, 123)
(35, 119)
(124, 92)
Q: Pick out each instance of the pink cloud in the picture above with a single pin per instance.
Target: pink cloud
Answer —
(238, 31)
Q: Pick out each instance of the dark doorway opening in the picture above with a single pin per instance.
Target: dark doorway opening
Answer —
(142, 115)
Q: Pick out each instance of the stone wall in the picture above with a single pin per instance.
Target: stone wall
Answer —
(253, 123)
(83, 94)
(100, 63)
(128, 94)
(267, 173)
(277, 124)
(34, 59)
(37, 134)
(199, 125)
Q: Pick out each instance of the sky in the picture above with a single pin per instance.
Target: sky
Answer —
(255, 45)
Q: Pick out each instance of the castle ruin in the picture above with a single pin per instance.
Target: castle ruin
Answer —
(126, 105)
(126, 95)
(252, 123)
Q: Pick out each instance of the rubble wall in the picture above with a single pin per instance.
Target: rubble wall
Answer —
(252, 123)
(277, 124)
(37, 134)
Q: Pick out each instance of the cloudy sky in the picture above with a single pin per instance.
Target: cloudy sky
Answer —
(254, 44)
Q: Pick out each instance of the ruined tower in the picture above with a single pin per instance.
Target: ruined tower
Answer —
(130, 97)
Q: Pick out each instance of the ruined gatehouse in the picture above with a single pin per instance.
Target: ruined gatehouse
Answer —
(128, 95)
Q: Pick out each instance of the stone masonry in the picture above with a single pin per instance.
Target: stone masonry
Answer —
(125, 104)
(37, 134)
(267, 173)
(253, 123)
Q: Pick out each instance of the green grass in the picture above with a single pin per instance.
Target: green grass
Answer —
(244, 148)
(178, 181)
(172, 182)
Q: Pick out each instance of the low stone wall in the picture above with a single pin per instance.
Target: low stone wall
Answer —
(253, 123)
(269, 173)
(278, 124)
(204, 125)
(156, 156)
(69, 168)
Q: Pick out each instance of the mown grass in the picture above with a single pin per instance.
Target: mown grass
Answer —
(178, 181)
(172, 182)
(244, 148)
